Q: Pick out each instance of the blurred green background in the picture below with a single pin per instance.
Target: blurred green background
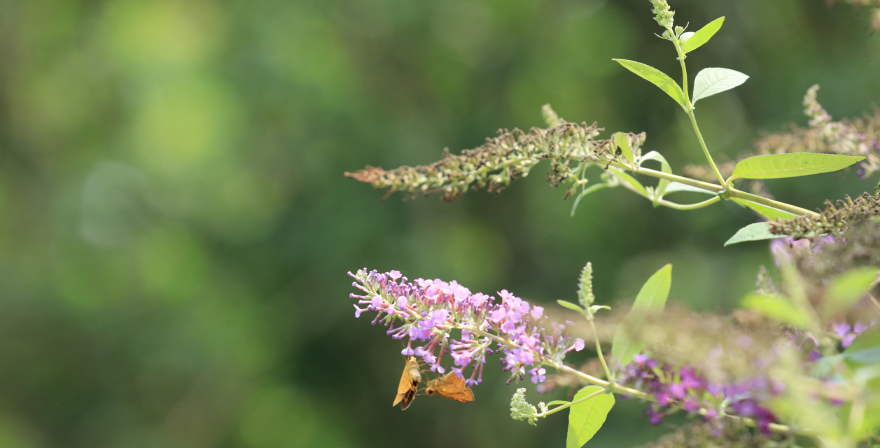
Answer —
(176, 227)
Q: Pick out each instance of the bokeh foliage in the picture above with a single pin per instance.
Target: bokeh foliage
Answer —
(176, 227)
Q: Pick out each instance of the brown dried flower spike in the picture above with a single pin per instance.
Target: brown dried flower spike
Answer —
(504, 158)
(832, 221)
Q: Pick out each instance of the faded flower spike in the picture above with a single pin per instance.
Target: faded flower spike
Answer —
(832, 221)
(502, 159)
(429, 310)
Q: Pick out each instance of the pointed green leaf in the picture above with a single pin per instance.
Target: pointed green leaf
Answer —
(752, 232)
(588, 416)
(716, 80)
(595, 308)
(663, 183)
(865, 349)
(621, 142)
(777, 166)
(702, 36)
(570, 306)
(675, 187)
(650, 301)
(584, 192)
(847, 289)
(658, 78)
(777, 308)
(765, 211)
(622, 175)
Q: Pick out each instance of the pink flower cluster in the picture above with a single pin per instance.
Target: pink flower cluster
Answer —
(427, 312)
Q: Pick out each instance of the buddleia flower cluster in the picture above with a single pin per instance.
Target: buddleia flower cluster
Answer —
(688, 389)
(426, 312)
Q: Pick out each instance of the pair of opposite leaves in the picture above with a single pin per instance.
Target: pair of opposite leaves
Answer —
(449, 386)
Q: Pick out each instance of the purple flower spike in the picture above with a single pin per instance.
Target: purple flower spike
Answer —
(430, 310)
(687, 389)
(537, 375)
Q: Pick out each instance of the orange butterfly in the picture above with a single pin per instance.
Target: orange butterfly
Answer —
(450, 386)
(409, 383)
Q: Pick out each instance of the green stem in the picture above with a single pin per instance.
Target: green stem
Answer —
(690, 112)
(568, 405)
(715, 188)
(695, 206)
(601, 383)
(734, 193)
(703, 145)
(599, 350)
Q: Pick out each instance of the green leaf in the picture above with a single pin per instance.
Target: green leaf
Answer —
(716, 80)
(588, 416)
(778, 309)
(675, 187)
(621, 142)
(752, 232)
(777, 166)
(765, 211)
(557, 402)
(622, 175)
(584, 192)
(871, 420)
(703, 35)
(658, 78)
(865, 349)
(663, 183)
(595, 308)
(650, 301)
(570, 306)
(847, 289)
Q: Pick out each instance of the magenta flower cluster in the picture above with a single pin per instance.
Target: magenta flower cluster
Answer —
(687, 389)
(425, 312)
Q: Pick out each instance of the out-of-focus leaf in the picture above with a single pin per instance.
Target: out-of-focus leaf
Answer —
(865, 349)
(846, 289)
(779, 309)
(650, 301)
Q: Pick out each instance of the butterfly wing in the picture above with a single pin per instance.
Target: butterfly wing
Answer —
(452, 387)
(409, 382)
